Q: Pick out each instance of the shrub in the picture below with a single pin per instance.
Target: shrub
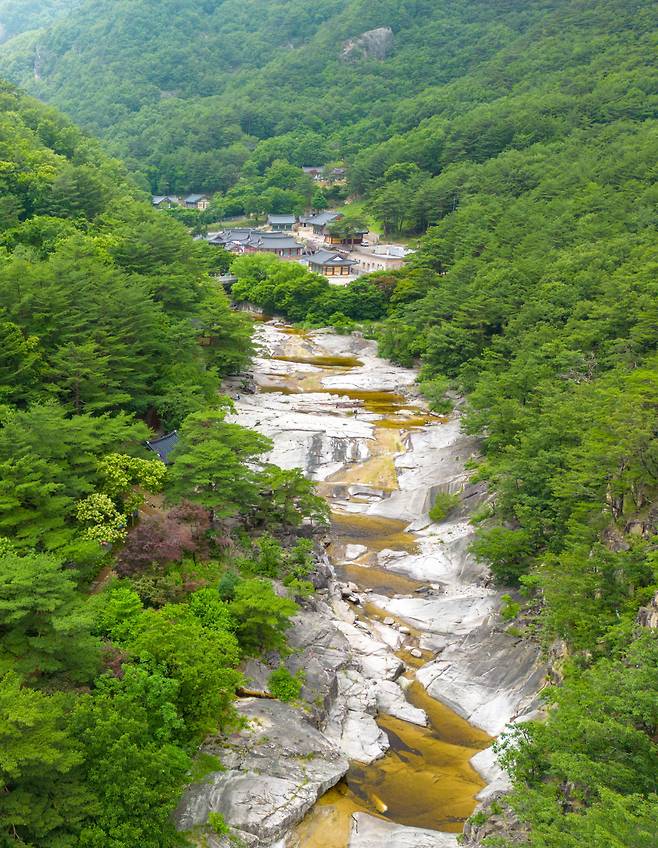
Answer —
(286, 686)
(227, 584)
(435, 391)
(261, 616)
(443, 505)
(507, 551)
(219, 825)
(510, 608)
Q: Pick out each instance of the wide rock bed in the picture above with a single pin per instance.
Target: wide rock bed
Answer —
(361, 431)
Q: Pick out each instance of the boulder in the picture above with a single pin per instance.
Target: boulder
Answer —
(275, 770)
(371, 832)
(391, 700)
(351, 725)
(374, 44)
(354, 551)
(487, 677)
(319, 650)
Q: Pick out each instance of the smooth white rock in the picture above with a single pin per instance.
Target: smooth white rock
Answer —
(371, 832)
(275, 769)
(353, 552)
(391, 700)
(362, 739)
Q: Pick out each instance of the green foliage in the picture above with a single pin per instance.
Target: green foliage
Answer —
(262, 617)
(289, 499)
(220, 827)
(117, 613)
(101, 701)
(228, 110)
(507, 552)
(284, 685)
(201, 659)
(528, 154)
(268, 561)
(96, 288)
(122, 475)
(40, 799)
(611, 785)
(286, 288)
(510, 608)
(210, 464)
(444, 504)
(133, 763)
(20, 15)
(435, 392)
(104, 523)
(45, 630)
(218, 823)
(49, 462)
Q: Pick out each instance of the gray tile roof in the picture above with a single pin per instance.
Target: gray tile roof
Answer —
(256, 239)
(322, 218)
(281, 219)
(280, 241)
(328, 257)
(164, 446)
(195, 198)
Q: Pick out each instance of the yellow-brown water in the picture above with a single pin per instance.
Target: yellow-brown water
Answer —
(378, 579)
(395, 411)
(323, 361)
(425, 779)
(376, 533)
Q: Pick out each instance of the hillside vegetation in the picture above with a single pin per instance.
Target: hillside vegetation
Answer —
(129, 591)
(17, 16)
(521, 139)
(201, 96)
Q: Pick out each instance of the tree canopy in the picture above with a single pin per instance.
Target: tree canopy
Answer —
(117, 653)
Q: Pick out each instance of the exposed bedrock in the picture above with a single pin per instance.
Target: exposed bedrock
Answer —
(371, 832)
(345, 639)
(374, 44)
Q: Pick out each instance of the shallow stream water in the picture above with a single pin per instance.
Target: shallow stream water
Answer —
(425, 779)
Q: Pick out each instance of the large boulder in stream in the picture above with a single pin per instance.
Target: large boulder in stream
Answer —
(275, 770)
(371, 832)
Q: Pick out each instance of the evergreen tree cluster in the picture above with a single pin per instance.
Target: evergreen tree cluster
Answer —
(129, 591)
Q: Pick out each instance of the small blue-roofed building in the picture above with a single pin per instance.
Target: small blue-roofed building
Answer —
(164, 446)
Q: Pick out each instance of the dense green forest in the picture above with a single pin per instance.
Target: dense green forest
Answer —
(18, 16)
(207, 96)
(521, 138)
(129, 591)
(538, 298)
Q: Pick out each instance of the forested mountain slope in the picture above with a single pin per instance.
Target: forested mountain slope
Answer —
(17, 16)
(116, 655)
(193, 95)
(523, 137)
(537, 297)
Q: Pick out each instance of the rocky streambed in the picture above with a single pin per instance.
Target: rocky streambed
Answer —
(409, 672)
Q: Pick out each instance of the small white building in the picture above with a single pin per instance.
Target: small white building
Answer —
(381, 257)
